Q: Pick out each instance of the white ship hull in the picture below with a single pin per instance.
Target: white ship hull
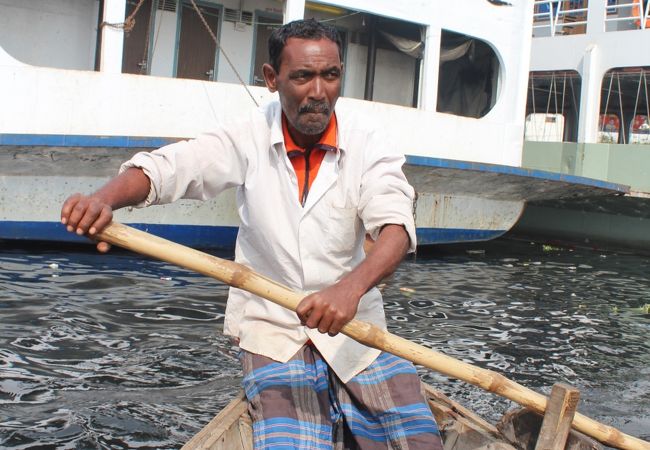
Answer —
(65, 128)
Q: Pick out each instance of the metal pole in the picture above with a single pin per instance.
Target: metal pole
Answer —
(372, 58)
(416, 82)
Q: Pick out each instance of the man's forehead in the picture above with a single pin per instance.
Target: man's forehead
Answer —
(303, 49)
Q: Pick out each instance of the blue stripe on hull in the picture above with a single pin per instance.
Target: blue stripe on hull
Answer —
(427, 161)
(64, 140)
(216, 237)
(191, 235)
(432, 236)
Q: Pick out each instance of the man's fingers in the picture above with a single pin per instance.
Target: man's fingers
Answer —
(85, 215)
(92, 211)
(314, 318)
(103, 247)
(105, 217)
(302, 310)
(336, 327)
(66, 209)
(77, 214)
(325, 323)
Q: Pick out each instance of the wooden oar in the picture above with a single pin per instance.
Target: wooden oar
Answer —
(242, 277)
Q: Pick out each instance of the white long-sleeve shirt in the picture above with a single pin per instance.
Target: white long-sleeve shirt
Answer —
(358, 189)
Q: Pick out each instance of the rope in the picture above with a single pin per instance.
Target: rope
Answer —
(647, 101)
(216, 42)
(550, 93)
(532, 88)
(573, 96)
(555, 94)
(622, 130)
(638, 93)
(548, 103)
(609, 92)
(128, 24)
(563, 94)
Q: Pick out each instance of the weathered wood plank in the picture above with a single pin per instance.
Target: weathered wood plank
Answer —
(559, 414)
(522, 426)
(222, 432)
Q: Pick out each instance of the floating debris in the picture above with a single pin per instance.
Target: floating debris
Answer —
(406, 289)
(550, 248)
(53, 266)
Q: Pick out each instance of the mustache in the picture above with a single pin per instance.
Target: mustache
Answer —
(315, 107)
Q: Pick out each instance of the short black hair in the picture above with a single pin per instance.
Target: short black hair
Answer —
(302, 29)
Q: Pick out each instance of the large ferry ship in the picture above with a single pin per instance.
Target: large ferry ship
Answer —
(86, 83)
(587, 115)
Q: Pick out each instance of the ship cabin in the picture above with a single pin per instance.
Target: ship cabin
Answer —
(588, 104)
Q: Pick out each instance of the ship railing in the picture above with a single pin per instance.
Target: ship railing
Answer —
(628, 15)
(554, 17)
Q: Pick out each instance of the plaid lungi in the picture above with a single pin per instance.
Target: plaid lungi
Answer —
(301, 404)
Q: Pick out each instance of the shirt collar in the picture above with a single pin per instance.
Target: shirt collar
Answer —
(328, 140)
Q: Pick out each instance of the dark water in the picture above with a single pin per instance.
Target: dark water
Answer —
(119, 352)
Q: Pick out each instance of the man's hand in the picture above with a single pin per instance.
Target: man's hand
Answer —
(329, 309)
(87, 215)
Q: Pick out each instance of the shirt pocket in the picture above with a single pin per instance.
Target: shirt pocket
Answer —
(343, 230)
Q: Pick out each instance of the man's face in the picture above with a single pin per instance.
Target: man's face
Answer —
(309, 83)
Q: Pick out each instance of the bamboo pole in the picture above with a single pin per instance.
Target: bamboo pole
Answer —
(242, 277)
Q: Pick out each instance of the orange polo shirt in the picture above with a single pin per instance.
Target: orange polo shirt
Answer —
(306, 161)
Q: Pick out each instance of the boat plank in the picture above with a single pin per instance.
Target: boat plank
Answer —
(223, 431)
(558, 417)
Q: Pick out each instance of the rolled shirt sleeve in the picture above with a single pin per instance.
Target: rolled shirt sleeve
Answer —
(386, 196)
(198, 169)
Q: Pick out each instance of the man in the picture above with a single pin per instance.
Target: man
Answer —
(310, 184)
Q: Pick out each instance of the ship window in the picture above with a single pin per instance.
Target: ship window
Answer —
(553, 105)
(544, 127)
(625, 93)
(627, 15)
(383, 56)
(640, 130)
(468, 75)
(553, 18)
(59, 34)
(609, 127)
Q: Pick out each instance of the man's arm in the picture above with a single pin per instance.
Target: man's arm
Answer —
(89, 214)
(330, 309)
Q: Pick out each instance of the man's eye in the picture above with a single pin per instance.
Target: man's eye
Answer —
(333, 75)
(301, 76)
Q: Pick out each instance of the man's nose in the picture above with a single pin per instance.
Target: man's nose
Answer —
(317, 90)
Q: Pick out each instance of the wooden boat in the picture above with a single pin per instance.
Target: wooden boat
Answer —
(231, 428)
(460, 428)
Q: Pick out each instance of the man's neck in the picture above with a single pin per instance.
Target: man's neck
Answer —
(303, 140)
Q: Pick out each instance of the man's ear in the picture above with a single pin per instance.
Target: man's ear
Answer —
(270, 77)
